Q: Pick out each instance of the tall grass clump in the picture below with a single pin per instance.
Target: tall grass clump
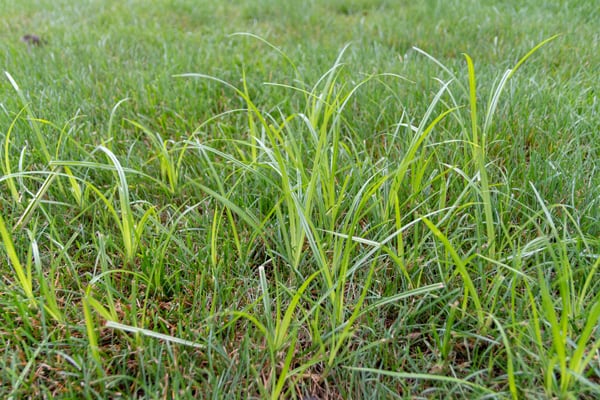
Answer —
(339, 217)
(320, 193)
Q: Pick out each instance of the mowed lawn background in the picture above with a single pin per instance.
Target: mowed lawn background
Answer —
(304, 199)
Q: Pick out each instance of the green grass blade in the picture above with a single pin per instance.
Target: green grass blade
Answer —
(35, 201)
(283, 374)
(153, 334)
(460, 266)
(24, 277)
(426, 377)
(36, 129)
(6, 164)
(479, 155)
(510, 368)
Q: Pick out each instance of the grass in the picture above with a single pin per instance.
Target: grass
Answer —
(356, 199)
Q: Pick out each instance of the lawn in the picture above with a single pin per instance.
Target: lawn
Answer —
(317, 199)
